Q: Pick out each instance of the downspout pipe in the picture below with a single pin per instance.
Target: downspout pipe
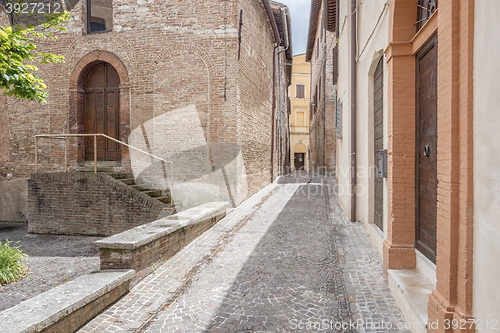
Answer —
(270, 16)
(280, 111)
(287, 45)
(353, 109)
(273, 112)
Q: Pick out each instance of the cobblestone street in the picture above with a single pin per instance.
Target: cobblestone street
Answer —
(286, 260)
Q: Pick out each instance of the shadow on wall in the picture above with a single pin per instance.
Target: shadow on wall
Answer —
(203, 171)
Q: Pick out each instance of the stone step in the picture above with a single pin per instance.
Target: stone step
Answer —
(111, 170)
(128, 181)
(122, 175)
(153, 193)
(164, 199)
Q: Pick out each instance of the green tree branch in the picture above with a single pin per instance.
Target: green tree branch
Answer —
(19, 56)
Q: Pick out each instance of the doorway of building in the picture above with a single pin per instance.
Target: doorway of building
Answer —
(101, 115)
(298, 161)
(378, 130)
(426, 149)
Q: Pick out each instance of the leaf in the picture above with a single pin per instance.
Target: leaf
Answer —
(19, 57)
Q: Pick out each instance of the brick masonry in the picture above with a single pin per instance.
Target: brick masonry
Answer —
(86, 204)
(76, 319)
(323, 129)
(168, 57)
(452, 298)
(144, 247)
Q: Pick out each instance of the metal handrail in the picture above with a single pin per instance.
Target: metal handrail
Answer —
(66, 136)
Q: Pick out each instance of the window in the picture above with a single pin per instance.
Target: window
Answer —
(99, 15)
(300, 90)
(425, 10)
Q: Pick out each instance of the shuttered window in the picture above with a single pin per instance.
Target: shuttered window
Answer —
(300, 91)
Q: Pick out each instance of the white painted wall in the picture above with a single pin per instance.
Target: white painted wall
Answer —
(373, 24)
(486, 293)
(343, 84)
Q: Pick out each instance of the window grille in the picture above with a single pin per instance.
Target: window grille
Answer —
(425, 10)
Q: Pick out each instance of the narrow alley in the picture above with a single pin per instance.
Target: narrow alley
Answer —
(285, 260)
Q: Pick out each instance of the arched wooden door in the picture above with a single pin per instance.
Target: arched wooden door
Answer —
(102, 112)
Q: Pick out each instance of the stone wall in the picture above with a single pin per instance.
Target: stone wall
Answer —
(86, 204)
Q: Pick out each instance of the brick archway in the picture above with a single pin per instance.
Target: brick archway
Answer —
(76, 99)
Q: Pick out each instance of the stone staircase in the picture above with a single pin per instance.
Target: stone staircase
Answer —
(128, 179)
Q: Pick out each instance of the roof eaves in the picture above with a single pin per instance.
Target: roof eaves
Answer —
(313, 27)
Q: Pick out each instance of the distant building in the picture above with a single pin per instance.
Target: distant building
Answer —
(300, 92)
(320, 53)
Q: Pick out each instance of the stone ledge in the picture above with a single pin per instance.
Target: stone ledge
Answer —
(145, 246)
(411, 291)
(67, 307)
(147, 233)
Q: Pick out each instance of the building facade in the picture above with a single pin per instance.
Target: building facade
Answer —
(416, 152)
(300, 92)
(195, 83)
(320, 53)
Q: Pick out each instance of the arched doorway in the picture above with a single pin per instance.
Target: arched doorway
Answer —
(101, 112)
(299, 156)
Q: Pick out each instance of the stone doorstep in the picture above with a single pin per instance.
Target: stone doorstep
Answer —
(57, 304)
(411, 291)
(147, 233)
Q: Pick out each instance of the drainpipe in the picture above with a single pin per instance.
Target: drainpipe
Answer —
(281, 112)
(324, 90)
(279, 87)
(353, 110)
(273, 112)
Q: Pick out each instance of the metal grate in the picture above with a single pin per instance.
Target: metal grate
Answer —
(425, 10)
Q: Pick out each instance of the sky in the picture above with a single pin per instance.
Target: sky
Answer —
(299, 12)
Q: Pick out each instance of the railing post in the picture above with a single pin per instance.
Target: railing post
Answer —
(66, 154)
(95, 153)
(172, 184)
(36, 154)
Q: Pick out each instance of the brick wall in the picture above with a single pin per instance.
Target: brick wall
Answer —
(323, 139)
(86, 204)
(168, 57)
(255, 93)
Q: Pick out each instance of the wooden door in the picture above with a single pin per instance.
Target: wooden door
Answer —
(378, 130)
(298, 162)
(102, 96)
(426, 149)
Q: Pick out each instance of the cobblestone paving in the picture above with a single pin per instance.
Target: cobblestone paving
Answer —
(52, 260)
(371, 302)
(286, 260)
